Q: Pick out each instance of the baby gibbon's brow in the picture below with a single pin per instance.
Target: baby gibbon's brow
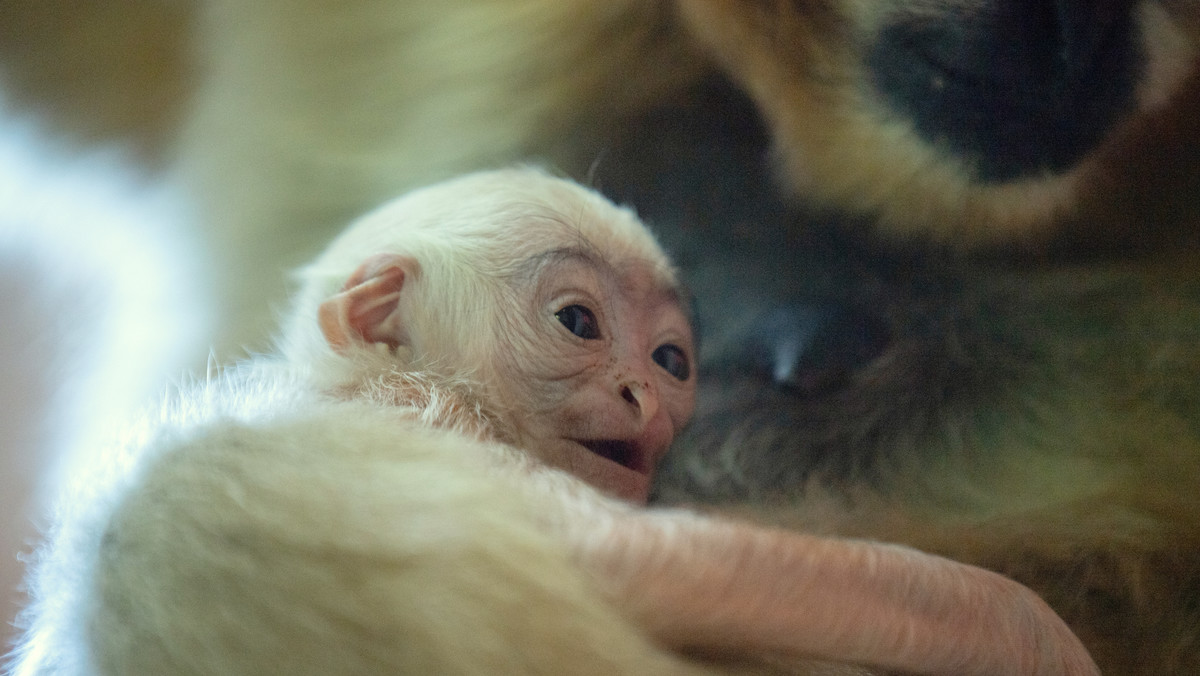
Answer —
(590, 256)
(531, 267)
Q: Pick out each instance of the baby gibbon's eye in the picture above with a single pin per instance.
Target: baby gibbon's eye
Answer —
(580, 321)
(673, 361)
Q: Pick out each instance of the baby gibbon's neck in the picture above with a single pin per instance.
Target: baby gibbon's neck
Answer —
(440, 400)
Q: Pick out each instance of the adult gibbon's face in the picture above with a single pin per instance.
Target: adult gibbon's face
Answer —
(1015, 135)
(973, 122)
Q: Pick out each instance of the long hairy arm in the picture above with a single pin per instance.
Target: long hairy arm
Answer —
(719, 585)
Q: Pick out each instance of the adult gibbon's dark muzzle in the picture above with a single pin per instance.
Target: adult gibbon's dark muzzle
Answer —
(1016, 87)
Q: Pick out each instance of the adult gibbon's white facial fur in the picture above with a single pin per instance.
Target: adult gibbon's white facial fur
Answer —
(377, 502)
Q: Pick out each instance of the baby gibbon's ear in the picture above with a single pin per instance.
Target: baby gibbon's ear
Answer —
(367, 309)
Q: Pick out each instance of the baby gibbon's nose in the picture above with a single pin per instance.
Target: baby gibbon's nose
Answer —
(642, 397)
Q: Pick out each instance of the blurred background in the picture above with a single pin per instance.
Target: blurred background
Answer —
(98, 304)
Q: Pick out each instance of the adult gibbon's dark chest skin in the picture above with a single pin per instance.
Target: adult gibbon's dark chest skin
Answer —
(920, 386)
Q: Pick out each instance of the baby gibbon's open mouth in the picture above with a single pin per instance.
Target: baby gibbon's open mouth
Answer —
(624, 453)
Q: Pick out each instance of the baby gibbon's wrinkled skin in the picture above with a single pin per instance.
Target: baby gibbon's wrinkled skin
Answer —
(388, 495)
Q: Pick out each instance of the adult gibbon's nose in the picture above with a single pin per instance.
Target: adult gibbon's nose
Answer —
(1085, 25)
(1027, 42)
(1017, 86)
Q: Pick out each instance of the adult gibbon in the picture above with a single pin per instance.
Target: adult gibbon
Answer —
(943, 252)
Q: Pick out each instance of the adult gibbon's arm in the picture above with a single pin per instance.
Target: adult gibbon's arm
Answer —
(714, 584)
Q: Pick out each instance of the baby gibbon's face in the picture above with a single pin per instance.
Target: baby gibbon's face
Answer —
(559, 304)
(603, 361)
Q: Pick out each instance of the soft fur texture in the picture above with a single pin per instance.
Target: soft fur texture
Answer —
(1026, 401)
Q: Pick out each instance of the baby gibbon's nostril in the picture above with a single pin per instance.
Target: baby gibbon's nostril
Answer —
(628, 395)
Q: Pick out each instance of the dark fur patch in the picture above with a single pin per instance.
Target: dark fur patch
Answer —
(1019, 88)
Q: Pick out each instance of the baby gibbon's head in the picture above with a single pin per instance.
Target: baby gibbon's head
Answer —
(559, 306)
